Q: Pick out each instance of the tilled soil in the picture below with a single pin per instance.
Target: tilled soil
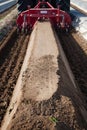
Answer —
(12, 53)
(75, 48)
(49, 100)
(37, 115)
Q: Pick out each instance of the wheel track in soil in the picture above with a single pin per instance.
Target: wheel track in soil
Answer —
(11, 66)
(75, 48)
(11, 54)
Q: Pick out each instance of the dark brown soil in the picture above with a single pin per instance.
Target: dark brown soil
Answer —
(75, 48)
(12, 52)
(34, 115)
(61, 110)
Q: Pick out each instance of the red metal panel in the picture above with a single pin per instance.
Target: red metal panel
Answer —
(56, 16)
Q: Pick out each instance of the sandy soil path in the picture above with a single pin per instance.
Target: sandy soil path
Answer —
(42, 66)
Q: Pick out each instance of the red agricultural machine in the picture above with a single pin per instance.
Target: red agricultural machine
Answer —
(43, 11)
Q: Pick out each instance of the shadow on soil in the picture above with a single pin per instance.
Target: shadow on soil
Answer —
(78, 62)
(77, 59)
(6, 48)
(62, 126)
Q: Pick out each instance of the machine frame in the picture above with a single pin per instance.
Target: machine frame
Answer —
(43, 11)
